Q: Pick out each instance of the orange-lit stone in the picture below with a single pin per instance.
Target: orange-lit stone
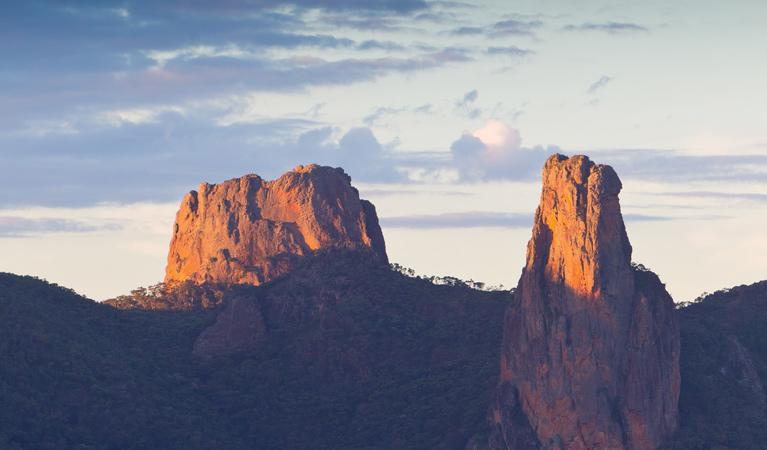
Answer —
(247, 230)
(591, 346)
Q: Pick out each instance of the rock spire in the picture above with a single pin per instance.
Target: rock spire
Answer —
(590, 354)
(247, 230)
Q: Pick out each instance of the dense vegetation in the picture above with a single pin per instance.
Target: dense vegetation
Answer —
(356, 356)
(723, 363)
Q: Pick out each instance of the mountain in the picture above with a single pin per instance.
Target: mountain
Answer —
(248, 230)
(355, 355)
(723, 366)
(344, 351)
(590, 353)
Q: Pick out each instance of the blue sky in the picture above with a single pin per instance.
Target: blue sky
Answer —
(442, 112)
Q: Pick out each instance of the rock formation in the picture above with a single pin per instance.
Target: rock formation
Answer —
(238, 326)
(248, 230)
(590, 354)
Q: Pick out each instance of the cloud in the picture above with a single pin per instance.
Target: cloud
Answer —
(599, 84)
(152, 161)
(675, 167)
(371, 119)
(644, 218)
(467, 31)
(357, 151)
(464, 106)
(608, 27)
(512, 51)
(397, 6)
(728, 196)
(362, 23)
(494, 152)
(141, 54)
(516, 27)
(14, 226)
(470, 219)
(470, 97)
(378, 45)
(425, 109)
(234, 7)
(197, 76)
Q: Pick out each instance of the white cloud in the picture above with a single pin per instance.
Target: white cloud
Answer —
(136, 115)
(495, 152)
(499, 139)
(600, 83)
(162, 57)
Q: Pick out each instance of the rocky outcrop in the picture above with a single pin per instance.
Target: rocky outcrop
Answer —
(590, 354)
(248, 230)
(237, 327)
(740, 366)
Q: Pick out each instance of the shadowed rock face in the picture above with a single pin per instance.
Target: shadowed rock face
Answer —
(238, 326)
(590, 355)
(248, 230)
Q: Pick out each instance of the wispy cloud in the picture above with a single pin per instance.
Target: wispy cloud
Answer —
(728, 196)
(372, 44)
(644, 218)
(145, 54)
(512, 51)
(469, 219)
(467, 31)
(608, 27)
(465, 106)
(599, 84)
(14, 226)
(362, 23)
(516, 27)
(676, 167)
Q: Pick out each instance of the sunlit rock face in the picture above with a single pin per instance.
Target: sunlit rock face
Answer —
(590, 354)
(248, 230)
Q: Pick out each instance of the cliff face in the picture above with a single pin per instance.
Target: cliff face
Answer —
(590, 355)
(248, 230)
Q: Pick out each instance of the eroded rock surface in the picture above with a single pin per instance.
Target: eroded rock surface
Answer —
(237, 327)
(248, 230)
(590, 355)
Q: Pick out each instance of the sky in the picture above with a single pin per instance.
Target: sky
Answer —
(442, 112)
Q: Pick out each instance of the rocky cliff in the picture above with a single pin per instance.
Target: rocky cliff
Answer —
(590, 354)
(248, 230)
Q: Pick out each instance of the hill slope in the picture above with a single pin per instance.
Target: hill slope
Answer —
(723, 363)
(355, 356)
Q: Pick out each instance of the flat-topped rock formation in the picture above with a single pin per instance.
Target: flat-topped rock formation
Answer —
(247, 230)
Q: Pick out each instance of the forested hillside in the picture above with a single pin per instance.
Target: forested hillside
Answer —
(723, 363)
(356, 356)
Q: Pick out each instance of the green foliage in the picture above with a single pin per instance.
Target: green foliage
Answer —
(718, 404)
(176, 295)
(357, 356)
(446, 280)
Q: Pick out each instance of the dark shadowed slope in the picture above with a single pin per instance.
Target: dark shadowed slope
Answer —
(723, 365)
(355, 355)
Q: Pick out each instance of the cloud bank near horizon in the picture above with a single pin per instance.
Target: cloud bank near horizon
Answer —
(141, 101)
(161, 160)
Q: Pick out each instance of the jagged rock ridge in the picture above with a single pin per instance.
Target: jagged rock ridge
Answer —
(248, 230)
(590, 355)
